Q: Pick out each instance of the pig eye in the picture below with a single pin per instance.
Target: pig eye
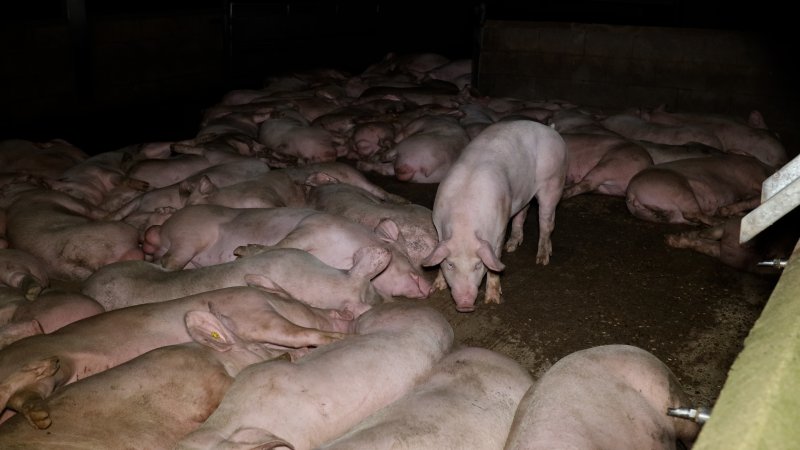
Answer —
(449, 266)
(478, 266)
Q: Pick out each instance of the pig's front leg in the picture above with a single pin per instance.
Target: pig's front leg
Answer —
(515, 238)
(440, 283)
(31, 404)
(494, 294)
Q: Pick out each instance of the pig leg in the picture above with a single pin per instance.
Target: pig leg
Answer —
(548, 200)
(494, 294)
(440, 283)
(705, 241)
(30, 375)
(516, 229)
(30, 286)
(31, 404)
(737, 208)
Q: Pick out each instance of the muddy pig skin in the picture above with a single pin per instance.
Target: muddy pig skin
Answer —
(493, 181)
(149, 402)
(304, 404)
(468, 401)
(286, 271)
(611, 396)
(65, 235)
(32, 368)
(21, 270)
(697, 190)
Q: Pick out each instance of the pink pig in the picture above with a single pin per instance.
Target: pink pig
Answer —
(494, 180)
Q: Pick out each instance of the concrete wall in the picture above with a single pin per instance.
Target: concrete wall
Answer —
(621, 66)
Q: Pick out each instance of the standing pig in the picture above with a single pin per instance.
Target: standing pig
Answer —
(494, 180)
(32, 368)
(611, 396)
(302, 405)
(467, 401)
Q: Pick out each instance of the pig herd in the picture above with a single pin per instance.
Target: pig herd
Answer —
(238, 289)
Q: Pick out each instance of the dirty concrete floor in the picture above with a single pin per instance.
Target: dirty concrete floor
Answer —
(611, 280)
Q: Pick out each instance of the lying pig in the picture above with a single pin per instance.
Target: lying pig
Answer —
(467, 401)
(697, 190)
(416, 233)
(636, 128)
(751, 137)
(150, 401)
(333, 388)
(334, 240)
(32, 368)
(425, 151)
(271, 190)
(291, 140)
(340, 173)
(65, 235)
(20, 269)
(494, 180)
(602, 163)
(722, 242)
(52, 310)
(204, 235)
(285, 271)
(611, 396)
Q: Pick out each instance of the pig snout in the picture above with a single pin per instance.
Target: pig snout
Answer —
(404, 172)
(464, 298)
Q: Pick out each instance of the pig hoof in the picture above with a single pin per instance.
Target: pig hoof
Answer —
(30, 287)
(37, 415)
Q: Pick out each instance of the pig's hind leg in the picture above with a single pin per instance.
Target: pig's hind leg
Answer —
(517, 222)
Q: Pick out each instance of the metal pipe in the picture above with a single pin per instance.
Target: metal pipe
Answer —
(699, 415)
(776, 263)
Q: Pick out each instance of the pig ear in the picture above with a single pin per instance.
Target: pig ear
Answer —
(437, 255)
(205, 328)
(265, 283)
(487, 256)
(368, 262)
(756, 120)
(388, 231)
(256, 439)
(320, 178)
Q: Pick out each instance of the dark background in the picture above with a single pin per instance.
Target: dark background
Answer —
(106, 74)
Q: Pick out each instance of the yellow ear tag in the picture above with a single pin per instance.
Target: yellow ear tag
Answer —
(215, 335)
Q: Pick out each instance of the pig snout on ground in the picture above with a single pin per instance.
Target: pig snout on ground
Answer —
(493, 181)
